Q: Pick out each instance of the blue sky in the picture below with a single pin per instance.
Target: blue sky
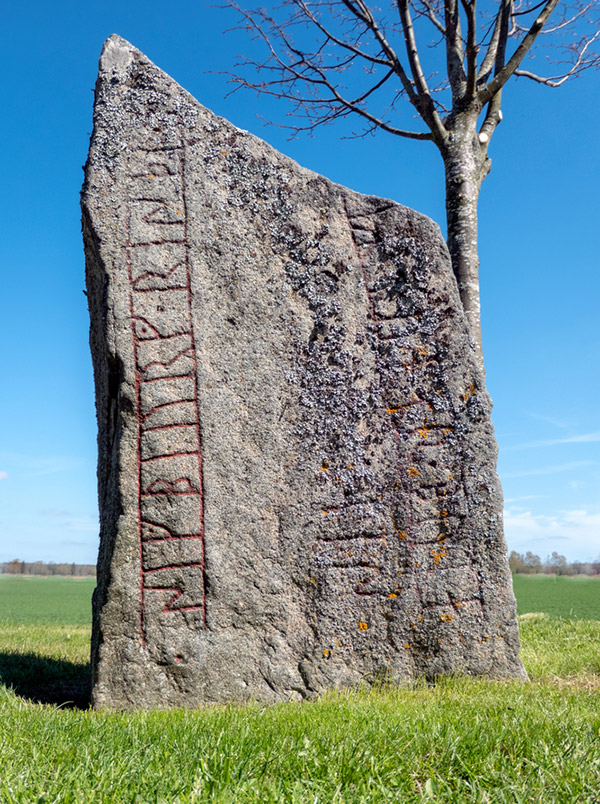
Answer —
(539, 221)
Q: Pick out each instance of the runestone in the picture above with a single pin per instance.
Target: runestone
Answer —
(296, 467)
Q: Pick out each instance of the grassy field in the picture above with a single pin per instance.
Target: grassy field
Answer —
(36, 600)
(577, 597)
(460, 740)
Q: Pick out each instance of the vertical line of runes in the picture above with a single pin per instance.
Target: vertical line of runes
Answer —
(170, 497)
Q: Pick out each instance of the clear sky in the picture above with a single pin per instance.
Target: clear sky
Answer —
(539, 228)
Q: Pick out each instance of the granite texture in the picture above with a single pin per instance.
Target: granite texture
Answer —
(296, 473)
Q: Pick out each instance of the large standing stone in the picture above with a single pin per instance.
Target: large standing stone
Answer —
(296, 461)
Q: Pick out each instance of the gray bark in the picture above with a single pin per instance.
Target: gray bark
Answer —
(466, 165)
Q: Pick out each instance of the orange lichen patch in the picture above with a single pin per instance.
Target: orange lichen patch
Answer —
(402, 534)
(437, 556)
(324, 513)
(442, 536)
(325, 466)
(460, 603)
(406, 646)
(178, 211)
(470, 392)
(394, 409)
(420, 618)
(351, 466)
(424, 432)
(151, 175)
(444, 512)
(362, 625)
(224, 153)
(447, 430)
(422, 350)
(413, 471)
(446, 618)
(417, 564)
(326, 653)
(392, 595)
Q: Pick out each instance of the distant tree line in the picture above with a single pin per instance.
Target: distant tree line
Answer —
(555, 564)
(527, 563)
(18, 567)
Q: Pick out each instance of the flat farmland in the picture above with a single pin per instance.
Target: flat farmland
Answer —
(38, 600)
(560, 596)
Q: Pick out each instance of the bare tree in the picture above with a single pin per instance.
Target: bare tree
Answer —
(337, 58)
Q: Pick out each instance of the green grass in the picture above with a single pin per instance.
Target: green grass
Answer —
(577, 597)
(460, 740)
(52, 600)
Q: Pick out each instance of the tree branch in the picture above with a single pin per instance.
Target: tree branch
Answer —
(387, 62)
(322, 81)
(425, 105)
(490, 57)
(364, 15)
(580, 64)
(487, 92)
(454, 53)
(432, 17)
(470, 10)
(354, 106)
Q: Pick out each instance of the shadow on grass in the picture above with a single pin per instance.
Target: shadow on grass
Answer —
(48, 681)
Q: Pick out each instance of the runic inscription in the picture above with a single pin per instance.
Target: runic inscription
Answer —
(169, 445)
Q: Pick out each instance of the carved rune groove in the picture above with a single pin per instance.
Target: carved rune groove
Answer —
(169, 443)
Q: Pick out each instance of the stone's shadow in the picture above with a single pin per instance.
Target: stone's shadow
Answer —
(40, 679)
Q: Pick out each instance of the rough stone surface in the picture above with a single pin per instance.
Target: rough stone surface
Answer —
(296, 461)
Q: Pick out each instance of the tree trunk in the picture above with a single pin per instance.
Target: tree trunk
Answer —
(466, 165)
